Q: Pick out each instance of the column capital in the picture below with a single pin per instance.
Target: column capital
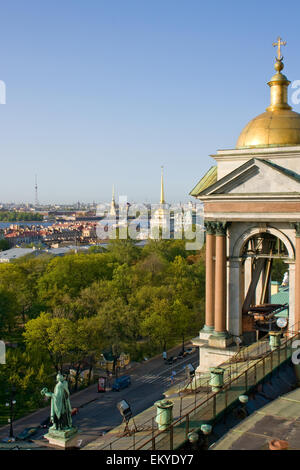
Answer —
(221, 228)
(210, 227)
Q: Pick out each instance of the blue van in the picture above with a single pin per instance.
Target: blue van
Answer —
(121, 382)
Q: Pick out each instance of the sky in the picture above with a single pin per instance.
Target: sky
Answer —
(103, 92)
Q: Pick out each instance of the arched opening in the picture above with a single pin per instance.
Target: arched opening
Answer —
(264, 284)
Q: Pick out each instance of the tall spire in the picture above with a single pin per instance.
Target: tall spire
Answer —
(113, 210)
(162, 197)
(279, 82)
(36, 192)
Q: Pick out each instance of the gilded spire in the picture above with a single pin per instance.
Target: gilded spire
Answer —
(113, 204)
(113, 193)
(162, 197)
(279, 82)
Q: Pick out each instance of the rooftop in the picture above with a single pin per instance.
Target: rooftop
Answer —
(280, 419)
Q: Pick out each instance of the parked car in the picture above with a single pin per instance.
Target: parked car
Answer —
(7, 440)
(121, 382)
(171, 360)
(181, 354)
(27, 433)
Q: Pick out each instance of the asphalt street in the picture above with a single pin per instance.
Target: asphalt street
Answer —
(146, 388)
(98, 412)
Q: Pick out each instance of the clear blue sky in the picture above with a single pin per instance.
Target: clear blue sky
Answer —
(102, 92)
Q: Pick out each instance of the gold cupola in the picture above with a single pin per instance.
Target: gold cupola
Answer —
(278, 126)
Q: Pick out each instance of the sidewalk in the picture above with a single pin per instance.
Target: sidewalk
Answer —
(81, 398)
(183, 403)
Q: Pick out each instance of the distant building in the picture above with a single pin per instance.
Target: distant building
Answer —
(15, 253)
(113, 208)
(161, 216)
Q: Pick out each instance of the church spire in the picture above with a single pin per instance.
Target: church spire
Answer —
(279, 82)
(113, 204)
(162, 197)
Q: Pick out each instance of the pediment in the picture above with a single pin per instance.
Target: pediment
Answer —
(256, 177)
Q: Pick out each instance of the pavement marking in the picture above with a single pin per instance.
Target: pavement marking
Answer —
(150, 379)
(147, 378)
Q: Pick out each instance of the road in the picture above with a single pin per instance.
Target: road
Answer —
(146, 388)
(98, 412)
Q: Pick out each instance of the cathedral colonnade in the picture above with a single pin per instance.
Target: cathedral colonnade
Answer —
(220, 275)
(216, 280)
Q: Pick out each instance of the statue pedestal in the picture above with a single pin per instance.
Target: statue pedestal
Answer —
(66, 439)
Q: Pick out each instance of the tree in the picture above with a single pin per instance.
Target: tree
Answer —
(111, 316)
(151, 269)
(183, 318)
(12, 280)
(25, 377)
(72, 273)
(167, 249)
(124, 251)
(158, 324)
(122, 282)
(279, 267)
(65, 341)
(8, 307)
(89, 332)
(4, 244)
(50, 336)
(90, 299)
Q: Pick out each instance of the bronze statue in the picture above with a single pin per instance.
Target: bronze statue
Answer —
(60, 405)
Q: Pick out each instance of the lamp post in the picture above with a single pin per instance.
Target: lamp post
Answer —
(12, 402)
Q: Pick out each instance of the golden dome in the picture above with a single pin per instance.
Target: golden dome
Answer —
(272, 128)
(278, 125)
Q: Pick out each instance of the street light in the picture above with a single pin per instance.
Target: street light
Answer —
(11, 405)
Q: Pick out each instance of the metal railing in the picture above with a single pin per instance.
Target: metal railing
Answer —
(242, 371)
(216, 403)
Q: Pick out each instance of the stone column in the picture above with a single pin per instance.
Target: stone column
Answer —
(220, 335)
(235, 301)
(209, 281)
(297, 280)
(259, 287)
(220, 279)
(291, 268)
(247, 276)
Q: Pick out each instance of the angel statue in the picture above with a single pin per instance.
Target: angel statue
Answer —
(60, 404)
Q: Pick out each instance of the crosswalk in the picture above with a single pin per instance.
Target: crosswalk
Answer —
(152, 378)
(165, 376)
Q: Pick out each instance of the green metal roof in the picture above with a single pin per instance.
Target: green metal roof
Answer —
(208, 179)
(282, 297)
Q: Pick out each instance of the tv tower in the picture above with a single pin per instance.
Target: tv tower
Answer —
(36, 192)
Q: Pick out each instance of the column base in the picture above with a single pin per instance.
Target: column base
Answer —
(220, 339)
(213, 357)
(206, 332)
